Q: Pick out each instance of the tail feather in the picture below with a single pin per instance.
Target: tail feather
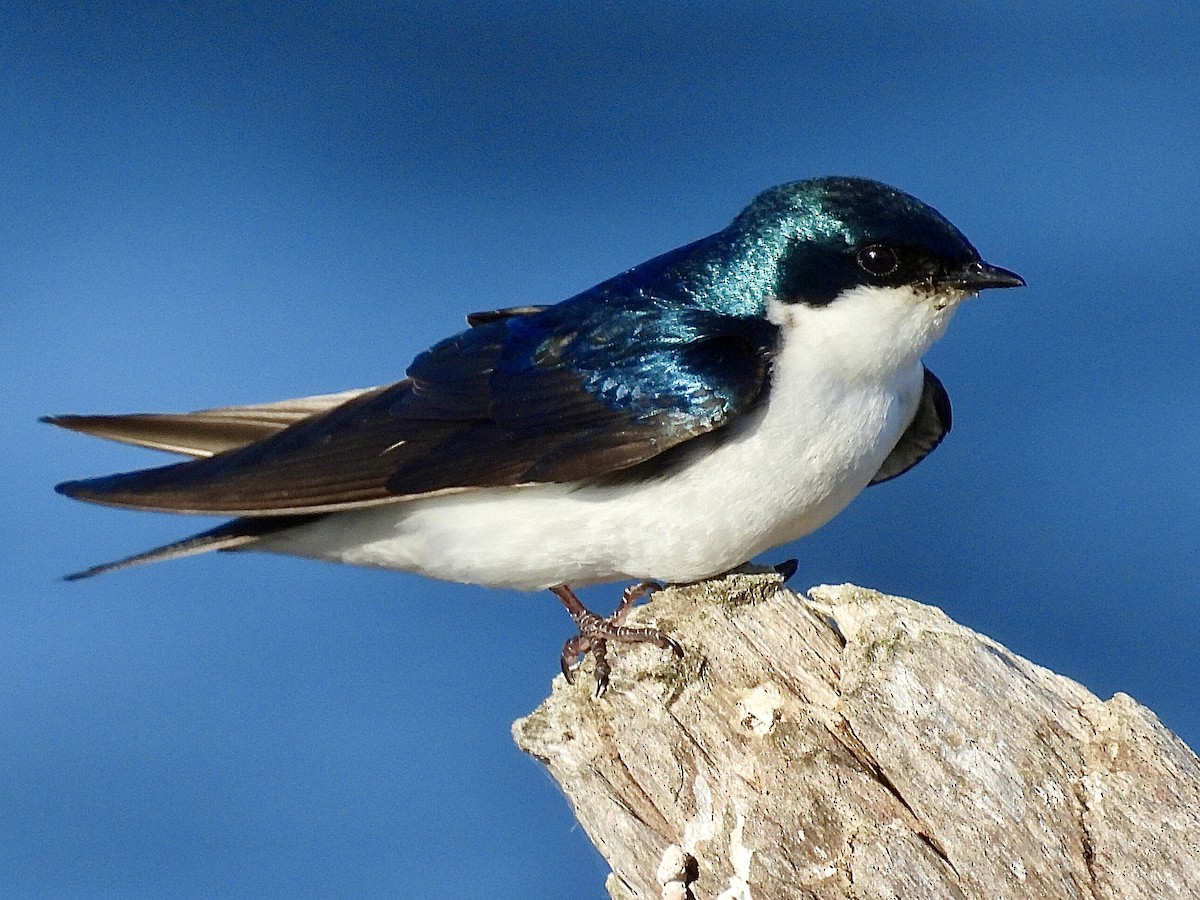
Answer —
(229, 536)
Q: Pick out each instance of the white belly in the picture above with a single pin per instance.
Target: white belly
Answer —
(790, 468)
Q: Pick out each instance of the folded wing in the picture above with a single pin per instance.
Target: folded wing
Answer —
(539, 395)
(927, 429)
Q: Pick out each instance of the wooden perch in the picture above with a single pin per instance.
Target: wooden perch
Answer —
(860, 745)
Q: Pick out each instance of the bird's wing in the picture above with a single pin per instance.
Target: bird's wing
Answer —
(570, 392)
(924, 433)
(209, 431)
(507, 312)
(206, 431)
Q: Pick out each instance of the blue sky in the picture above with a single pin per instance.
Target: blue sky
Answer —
(210, 204)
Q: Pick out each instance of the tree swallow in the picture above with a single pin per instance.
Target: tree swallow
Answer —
(669, 423)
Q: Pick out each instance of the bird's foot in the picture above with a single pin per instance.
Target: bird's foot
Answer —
(596, 631)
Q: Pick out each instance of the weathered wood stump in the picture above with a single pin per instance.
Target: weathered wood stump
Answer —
(860, 745)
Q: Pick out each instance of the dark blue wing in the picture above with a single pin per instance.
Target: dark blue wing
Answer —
(930, 424)
(569, 396)
(596, 384)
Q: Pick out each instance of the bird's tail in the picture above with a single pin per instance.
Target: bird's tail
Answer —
(233, 535)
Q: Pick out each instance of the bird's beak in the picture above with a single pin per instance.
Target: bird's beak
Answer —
(977, 275)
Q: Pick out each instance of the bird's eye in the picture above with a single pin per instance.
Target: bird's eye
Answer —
(878, 260)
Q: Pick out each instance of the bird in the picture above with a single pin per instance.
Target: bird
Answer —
(664, 426)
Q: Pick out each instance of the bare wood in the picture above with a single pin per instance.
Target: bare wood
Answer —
(864, 746)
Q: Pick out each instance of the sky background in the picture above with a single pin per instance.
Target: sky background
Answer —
(206, 204)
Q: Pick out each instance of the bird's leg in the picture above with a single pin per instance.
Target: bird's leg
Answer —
(595, 631)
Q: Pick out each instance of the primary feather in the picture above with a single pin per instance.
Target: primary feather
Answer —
(204, 432)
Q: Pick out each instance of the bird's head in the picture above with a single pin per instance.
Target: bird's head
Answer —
(864, 259)
(835, 234)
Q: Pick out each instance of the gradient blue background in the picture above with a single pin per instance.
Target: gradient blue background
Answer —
(217, 205)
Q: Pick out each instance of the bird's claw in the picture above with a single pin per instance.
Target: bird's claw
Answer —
(596, 631)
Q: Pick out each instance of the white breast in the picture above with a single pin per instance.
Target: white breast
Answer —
(844, 387)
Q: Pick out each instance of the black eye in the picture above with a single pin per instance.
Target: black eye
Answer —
(878, 260)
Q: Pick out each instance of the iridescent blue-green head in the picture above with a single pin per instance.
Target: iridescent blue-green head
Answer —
(824, 237)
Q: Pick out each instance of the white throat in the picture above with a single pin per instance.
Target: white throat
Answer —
(869, 332)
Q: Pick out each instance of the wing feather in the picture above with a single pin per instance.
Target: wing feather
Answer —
(597, 384)
(927, 429)
(204, 432)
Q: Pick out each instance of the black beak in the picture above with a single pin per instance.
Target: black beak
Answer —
(975, 276)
